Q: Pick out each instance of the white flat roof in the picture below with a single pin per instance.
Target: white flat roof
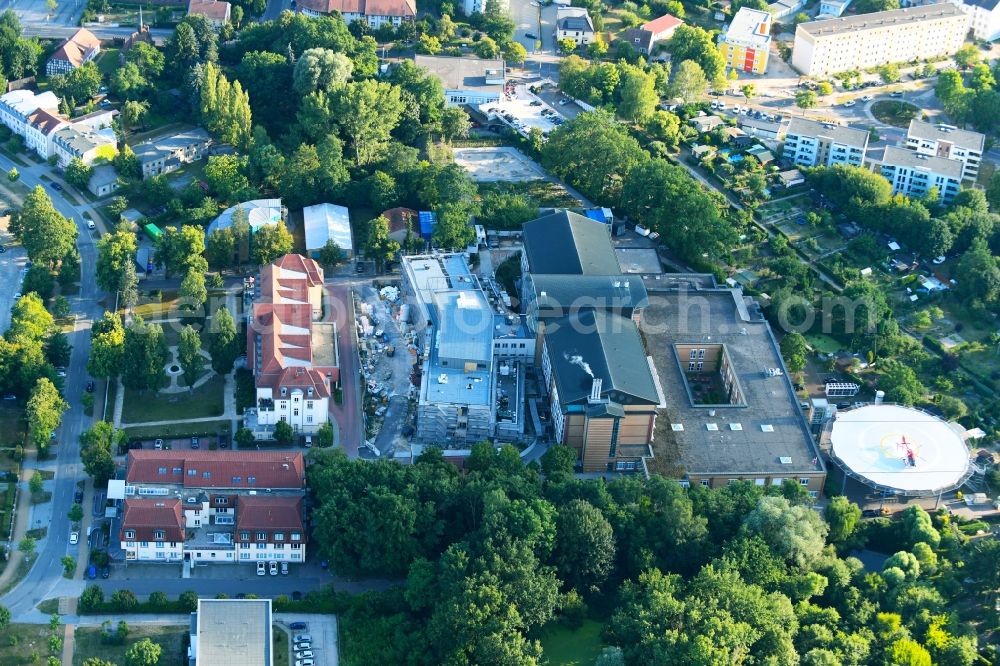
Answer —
(327, 221)
(869, 441)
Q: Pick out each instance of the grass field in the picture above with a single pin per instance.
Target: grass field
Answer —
(178, 430)
(824, 344)
(898, 114)
(280, 649)
(206, 400)
(21, 642)
(170, 637)
(563, 646)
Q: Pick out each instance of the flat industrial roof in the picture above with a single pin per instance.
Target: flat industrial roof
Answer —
(749, 439)
(464, 73)
(234, 632)
(875, 442)
(893, 18)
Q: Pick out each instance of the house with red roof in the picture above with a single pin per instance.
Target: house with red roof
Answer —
(216, 12)
(292, 348)
(80, 48)
(651, 34)
(206, 507)
(375, 13)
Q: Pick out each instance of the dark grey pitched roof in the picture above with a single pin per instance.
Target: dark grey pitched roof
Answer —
(638, 38)
(607, 345)
(581, 23)
(569, 244)
(559, 295)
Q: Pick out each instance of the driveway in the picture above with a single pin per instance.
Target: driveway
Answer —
(347, 415)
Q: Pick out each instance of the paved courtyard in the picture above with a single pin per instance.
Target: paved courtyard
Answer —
(500, 163)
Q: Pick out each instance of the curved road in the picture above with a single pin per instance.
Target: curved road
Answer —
(46, 573)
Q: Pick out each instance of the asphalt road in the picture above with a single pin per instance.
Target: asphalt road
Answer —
(348, 413)
(11, 272)
(46, 572)
(274, 9)
(67, 12)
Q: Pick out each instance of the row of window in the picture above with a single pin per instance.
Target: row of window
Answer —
(159, 535)
(160, 545)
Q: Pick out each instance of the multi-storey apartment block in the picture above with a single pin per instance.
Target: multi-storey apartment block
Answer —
(949, 142)
(860, 42)
(213, 506)
(914, 175)
(812, 143)
(746, 42)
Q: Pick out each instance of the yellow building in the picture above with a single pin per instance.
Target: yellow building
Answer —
(746, 42)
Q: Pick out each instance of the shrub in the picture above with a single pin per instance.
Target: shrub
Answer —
(124, 600)
(91, 598)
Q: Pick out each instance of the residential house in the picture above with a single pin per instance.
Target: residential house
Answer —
(791, 178)
(949, 142)
(40, 132)
(915, 174)
(18, 105)
(736, 137)
(291, 348)
(833, 8)
(473, 6)
(79, 49)
(326, 222)
(208, 507)
(652, 34)
(866, 41)
(706, 123)
(471, 81)
(746, 42)
(215, 11)
(71, 142)
(574, 23)
(785, 8)
(168, 153)
(762, 129)
(375, 13)
(103, 180)
(814, 143)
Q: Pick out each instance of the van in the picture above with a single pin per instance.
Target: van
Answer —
(261, 569)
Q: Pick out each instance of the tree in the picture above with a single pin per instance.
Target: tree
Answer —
(13, 175)
(225, 107)
(144, 356)
(900, 383)
(688, 81)
(36, 482)
(638, 94)
(585, 546)
(39, 280)
(967, 56)
(98, 445)
(47, 236)
(496, 20)
(906, 652)
(455, 124)
(378, 246)
(428, 44)
(189, 354)
(977, 273)
(794, 349)
(77, 173)
(693, 43)
(27, 546)
(143, 653)
(44, 412)
(244, 437)
(92, 597)
(566, 46)
(114, 251)
(889, 73)
(107, 344)
(486, 48)
(178, 250)
(224, 342)
(842, 516)
(367, 112)
(127, 82)
(283, 433)
(220, 247)
(670, 202)
(193, 291)
(81, 83)
(5, 616)
(805, 99)
(824, 88)
(321, 69)
(126, 164)
(58, 349)
(324, 436)
(597, 49)
(796, 533)
(75, 513)
(330, 254)
(225, 176)
(271, 242)
(149, 59)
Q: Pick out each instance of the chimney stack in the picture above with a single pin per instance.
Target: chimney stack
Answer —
(595, 390)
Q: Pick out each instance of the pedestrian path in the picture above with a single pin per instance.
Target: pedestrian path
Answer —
(21, 521)
(69, 643)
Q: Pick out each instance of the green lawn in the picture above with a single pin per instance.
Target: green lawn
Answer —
(206, 400)
(824, 344)
(280, 647)
(107, 63)
(891, 112)
(178, 430)
(563, 646)
(22, 641)
(172, 639)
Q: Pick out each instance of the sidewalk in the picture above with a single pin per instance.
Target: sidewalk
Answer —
(23, 517)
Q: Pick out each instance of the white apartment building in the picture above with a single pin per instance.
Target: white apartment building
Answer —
(40, 132)
(812, 143)
(17, 105)
(472, 6)
(949, 142)
(913, 174)
(860, 42)
(985, 17)
(291, 349)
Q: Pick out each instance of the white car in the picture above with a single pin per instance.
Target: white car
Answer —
(303, 638)
(849, 103)
(308, 654)
(91, 225)
(305, 662)
(937, 261)
(303, 646)
(737, 109)
(714, 105)
(866, 98)
(74, 538)
(273, 566)
(722, 106)
(261, 569)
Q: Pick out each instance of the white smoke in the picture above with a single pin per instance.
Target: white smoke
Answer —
(578, 360)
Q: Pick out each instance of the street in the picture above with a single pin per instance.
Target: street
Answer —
(46, 573)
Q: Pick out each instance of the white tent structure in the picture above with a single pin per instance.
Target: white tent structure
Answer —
(325, 222)
(260, 212)
(900, 450)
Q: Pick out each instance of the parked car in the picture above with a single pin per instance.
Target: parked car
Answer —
(273, 567)
(3, 248)
(866, 98)
(90, 386)
(305, 654)
(91, 572)
(284, 568)
(305, 662)
(298, 626)
(937, 261)
(849, 103)
(194, 443)
(896, 93)
(78, 497)
(530, 35)
(105, 571)
(57, 187)
(223, 441)
(303, 646)
(74, 538)
(91, 225)
(261, 569)
(303, 638)
(158, 444)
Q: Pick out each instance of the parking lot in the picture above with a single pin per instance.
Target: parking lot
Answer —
(322, 629)
(204, 443)
(501, 163)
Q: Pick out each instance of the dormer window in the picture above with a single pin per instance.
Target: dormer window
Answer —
(309, 390)
(129, 535)
(284, 390)
(158, 535)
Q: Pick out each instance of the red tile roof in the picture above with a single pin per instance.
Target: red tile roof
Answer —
(402, 8)
(270, 514)
(269, 469)
(75, 49)
(210, 9)
(662, 24)
(397, 219)
(146, 516)
(45, 122)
